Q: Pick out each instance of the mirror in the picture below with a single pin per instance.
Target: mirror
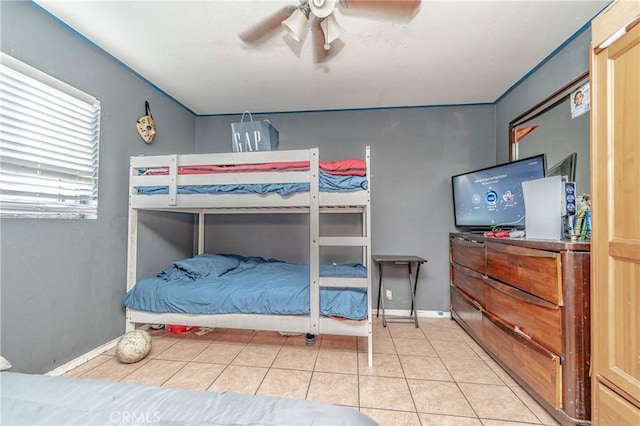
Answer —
(558, 126)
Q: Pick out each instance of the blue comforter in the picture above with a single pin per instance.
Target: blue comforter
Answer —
(228, 284)
(328, 183)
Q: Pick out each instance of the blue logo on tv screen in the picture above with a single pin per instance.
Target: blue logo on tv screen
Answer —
(491, 197)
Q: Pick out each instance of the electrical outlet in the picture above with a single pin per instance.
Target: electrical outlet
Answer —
(389, 294)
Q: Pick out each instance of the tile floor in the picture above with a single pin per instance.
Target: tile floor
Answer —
(432, 375)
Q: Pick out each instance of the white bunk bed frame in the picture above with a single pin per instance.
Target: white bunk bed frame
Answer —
(312, 203)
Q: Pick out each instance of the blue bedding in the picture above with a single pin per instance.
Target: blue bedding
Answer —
(53, 400)
(328, 183)
(230, 284)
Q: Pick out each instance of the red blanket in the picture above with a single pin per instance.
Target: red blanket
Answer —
(347, 167)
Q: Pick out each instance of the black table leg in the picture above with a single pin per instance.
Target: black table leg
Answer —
(379, 287)
(411, 288)
(415, 280)
(413, 283)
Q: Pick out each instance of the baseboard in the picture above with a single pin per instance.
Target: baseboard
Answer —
(421, 314)
(434, 314)
(59, 371)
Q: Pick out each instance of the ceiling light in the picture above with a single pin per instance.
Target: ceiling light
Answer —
(320, 12)
(296, 23)
(331, 29)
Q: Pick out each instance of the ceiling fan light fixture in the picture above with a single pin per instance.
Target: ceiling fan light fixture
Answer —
(331, 29)
(296, 24)
(322, 8)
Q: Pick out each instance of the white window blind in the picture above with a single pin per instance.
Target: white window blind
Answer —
(49, 135)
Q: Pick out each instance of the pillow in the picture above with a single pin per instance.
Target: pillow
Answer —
(4, 364)
(200, 266)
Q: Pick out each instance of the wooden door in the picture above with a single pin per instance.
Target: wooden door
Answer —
(615, 185)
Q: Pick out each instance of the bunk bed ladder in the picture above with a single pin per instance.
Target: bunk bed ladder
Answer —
(363, 241)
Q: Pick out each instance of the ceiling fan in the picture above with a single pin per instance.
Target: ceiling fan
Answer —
(320, 16)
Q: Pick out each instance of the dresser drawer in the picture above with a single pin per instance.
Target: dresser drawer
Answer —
(464, 309)
(469, 253)
(537, 367)
(535, 317)
(538, 272)
(468, 281)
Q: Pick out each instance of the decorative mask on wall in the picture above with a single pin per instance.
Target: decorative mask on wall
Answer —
(146, 125)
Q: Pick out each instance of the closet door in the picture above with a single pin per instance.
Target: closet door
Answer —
(615, 246)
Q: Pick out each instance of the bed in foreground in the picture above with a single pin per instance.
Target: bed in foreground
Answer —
(53, 400)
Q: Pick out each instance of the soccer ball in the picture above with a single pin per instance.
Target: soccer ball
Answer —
(133, 346)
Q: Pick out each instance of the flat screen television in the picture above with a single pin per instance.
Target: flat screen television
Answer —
(492, 197)
(565, 167)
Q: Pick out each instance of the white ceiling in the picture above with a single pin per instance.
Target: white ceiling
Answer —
(445, 53)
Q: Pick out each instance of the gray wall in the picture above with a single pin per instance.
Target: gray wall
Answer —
(62, 280)
(563, 67)
(414, 152)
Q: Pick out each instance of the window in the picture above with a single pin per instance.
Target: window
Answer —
(49, 134)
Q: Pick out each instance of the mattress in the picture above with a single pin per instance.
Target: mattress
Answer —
(53, 400)
(232, 284)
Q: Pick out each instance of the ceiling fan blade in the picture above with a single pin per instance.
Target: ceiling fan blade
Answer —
(267, 27)
(320, 54)
(388, 7)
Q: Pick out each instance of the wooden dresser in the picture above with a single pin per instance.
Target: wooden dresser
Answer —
(526, 302)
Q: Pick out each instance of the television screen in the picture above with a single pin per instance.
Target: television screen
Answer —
(566, 167)
(491, 197)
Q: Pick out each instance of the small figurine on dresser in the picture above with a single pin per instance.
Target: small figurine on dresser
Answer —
(582, 219)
